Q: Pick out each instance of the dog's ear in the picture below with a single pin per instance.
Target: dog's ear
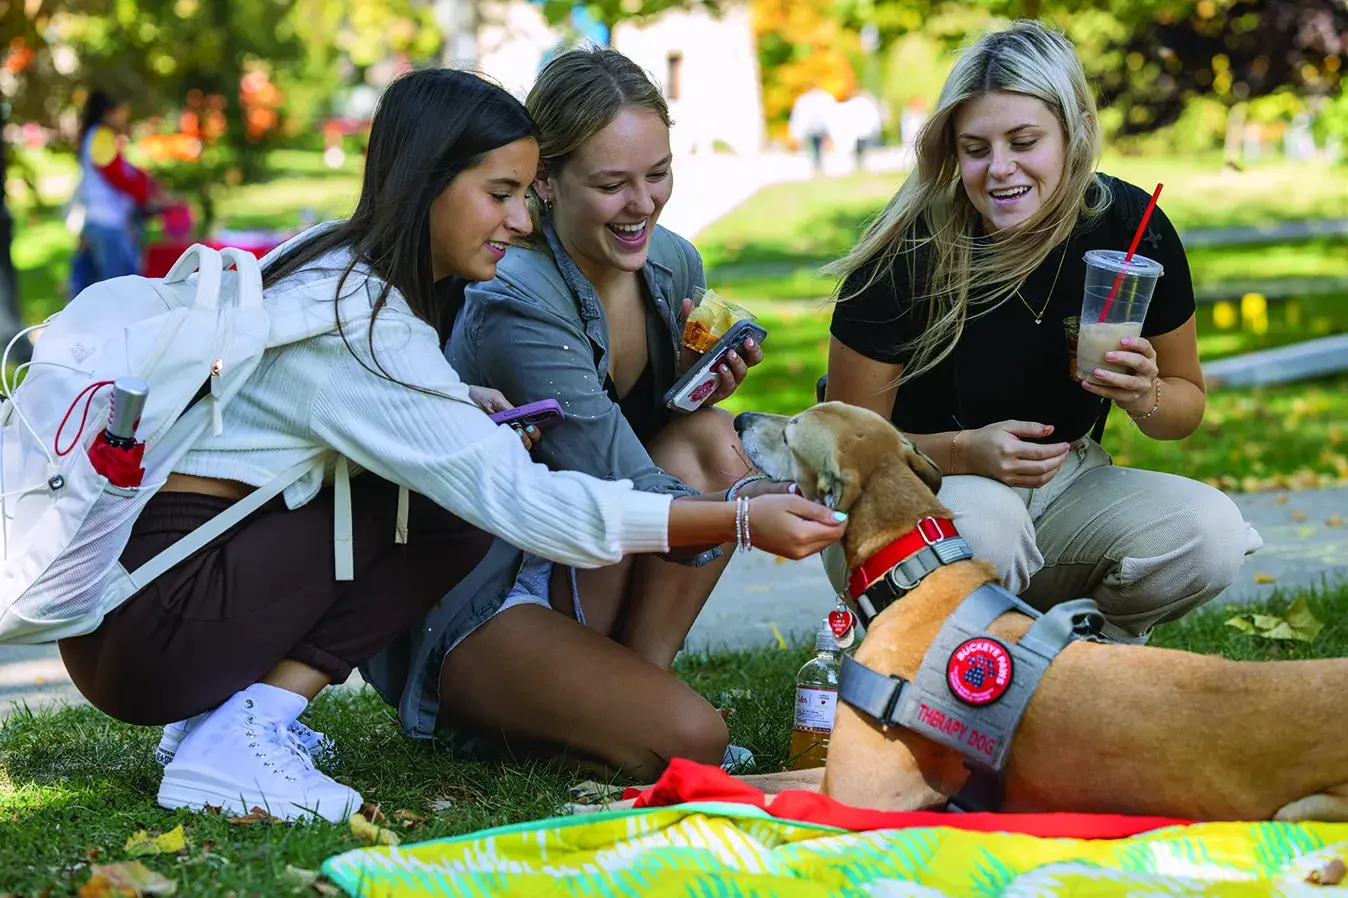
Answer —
(835, 488)
(921, 465)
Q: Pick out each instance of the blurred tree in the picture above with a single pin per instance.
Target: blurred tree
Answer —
(611, 12)
(802, 46)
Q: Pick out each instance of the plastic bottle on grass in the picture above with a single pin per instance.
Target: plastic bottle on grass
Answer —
(816, 702)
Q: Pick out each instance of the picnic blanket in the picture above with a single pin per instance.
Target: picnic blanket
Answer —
(746, 845)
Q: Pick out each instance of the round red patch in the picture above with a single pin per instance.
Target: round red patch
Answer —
(979, 671)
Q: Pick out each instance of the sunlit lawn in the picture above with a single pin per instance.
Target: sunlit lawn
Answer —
(75, 785)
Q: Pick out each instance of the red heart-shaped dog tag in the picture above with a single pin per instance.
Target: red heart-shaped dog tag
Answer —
(840, 620)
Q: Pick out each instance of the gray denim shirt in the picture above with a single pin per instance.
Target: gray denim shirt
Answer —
(538, 331)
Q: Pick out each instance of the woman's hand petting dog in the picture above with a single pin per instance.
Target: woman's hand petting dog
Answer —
(793, 526)
(998, 451)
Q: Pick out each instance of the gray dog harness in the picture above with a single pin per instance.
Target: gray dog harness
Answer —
(972, 688)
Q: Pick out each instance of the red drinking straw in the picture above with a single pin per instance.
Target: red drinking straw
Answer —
(1137, 238)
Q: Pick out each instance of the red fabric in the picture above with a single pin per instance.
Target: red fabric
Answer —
(122, 467)
(159, 257)
(912, 542)
(685, 781)
(127, 178)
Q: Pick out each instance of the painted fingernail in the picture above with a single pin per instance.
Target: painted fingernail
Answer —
(531, 429)
(749, 343)
(839, 516)
(1111, 356)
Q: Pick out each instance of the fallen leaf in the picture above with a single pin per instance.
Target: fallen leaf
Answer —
(372, 813)
(370, 834)
(142, 843)
(256, 815)
(298, 879)
(327, 888)
(594, 792)
(127, 880)
(1334, 520)
(1331, 874)
(1282, 500)
(1264, 578)
(1297, 515)
(1299, 625)
(440, 805)
(39, 681)
(408, 818)
(1304, 532)
(212, 809)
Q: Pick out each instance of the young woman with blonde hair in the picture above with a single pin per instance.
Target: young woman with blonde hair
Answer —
(957, 319)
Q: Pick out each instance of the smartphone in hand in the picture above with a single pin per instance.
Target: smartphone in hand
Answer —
(542, 414)
(700, 381)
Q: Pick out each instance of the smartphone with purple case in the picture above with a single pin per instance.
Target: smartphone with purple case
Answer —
(542, 414)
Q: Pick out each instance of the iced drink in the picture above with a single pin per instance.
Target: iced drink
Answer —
(1104, 322)
(711, 317)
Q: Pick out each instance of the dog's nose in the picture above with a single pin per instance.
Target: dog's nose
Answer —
(743, 420)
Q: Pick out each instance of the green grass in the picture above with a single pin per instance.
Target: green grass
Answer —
(75, 785)
(1250, 439)
(820, 220)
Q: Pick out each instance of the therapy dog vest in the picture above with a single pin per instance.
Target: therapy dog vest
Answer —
(972, 688)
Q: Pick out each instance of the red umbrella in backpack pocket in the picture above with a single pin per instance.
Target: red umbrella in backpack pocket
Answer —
(115, 453)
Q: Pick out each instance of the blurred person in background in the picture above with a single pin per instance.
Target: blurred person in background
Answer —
(114, 195)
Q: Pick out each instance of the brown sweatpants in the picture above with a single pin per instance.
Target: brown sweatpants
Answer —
(262, 592)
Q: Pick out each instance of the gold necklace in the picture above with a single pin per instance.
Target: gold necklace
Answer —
(1039, 316)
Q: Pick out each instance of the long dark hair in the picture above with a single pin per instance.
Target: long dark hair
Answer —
(429, 127)
(99, 104)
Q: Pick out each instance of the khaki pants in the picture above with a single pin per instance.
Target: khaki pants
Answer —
(1148, 547)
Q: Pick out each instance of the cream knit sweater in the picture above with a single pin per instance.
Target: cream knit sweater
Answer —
(315, 401)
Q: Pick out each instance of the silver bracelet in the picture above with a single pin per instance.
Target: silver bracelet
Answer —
(741, 484)
(1155, 406)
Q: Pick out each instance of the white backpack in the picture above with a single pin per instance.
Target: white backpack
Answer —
(62, 525)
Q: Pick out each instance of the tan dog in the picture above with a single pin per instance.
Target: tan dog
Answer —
(1111, 729)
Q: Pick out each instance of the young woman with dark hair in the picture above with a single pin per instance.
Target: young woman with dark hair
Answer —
(244, 633)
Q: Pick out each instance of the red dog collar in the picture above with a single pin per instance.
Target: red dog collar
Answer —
(929, 532)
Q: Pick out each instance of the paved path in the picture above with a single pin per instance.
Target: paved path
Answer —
(760, 597)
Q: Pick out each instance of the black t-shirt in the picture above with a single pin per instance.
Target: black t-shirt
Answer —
(1005, 366)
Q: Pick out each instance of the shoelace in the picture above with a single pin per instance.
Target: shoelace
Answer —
(292, 753)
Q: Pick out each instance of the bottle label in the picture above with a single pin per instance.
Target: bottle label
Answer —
(815, 709)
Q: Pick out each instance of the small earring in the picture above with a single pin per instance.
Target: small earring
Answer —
(547, 205)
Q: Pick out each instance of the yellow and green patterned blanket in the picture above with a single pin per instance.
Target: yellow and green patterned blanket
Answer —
(731, 849)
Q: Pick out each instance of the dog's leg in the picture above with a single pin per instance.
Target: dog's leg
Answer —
(1331, 805)
(772, 783)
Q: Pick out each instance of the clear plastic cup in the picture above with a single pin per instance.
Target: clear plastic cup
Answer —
(711, 317)
(1104, 322)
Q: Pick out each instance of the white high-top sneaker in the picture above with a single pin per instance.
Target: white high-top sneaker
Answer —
(315, 743)
(243, 756)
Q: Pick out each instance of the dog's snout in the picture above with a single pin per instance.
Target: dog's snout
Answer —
(743, 421)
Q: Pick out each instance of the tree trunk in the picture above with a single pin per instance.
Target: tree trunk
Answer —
(1233, 151)
(11, 319)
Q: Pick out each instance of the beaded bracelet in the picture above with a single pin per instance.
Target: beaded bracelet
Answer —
(1155, 406)
(742, 540)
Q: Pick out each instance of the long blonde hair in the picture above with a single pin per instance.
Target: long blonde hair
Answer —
(932, 212)
(576, 95)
